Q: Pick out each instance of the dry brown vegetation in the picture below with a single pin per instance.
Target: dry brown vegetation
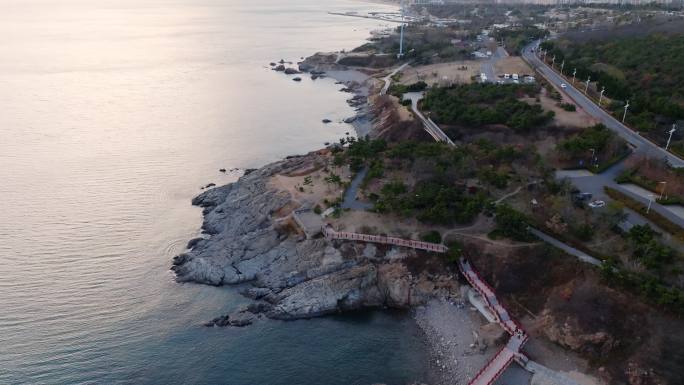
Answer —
(652, 171)
(622, 339)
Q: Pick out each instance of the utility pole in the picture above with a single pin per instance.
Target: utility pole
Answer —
(401, 38)
(625, 115)
(574, 72)
(544, 59)
(553, 61)
(562, 66)
(586, 89)
(601, 98)
(672, 131)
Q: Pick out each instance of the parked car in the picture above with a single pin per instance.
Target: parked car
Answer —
(563, 85)
(597, 204)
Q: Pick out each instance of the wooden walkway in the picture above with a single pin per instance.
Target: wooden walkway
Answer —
(385, 240)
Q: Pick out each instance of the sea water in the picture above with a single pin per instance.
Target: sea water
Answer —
(113, 114)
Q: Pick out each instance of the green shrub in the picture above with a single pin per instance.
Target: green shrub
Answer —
(432, 236)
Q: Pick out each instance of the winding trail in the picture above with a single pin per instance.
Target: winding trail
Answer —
(388, 79)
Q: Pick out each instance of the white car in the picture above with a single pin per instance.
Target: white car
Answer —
(597, 204)
(563, 85)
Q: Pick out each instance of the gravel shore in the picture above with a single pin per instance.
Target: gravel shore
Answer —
(453, 330)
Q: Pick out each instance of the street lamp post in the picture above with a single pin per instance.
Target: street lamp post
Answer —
(553, 61)
(587, 86)
(625, 115)
(672, 131)
(562, 66)
(601, 98)
(574, 72)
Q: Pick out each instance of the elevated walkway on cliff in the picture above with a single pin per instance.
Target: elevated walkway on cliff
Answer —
(512, 350)
(330, 233)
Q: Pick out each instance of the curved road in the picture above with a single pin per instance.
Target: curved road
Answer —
(643, 146)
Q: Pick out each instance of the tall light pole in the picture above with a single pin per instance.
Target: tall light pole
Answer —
(401, 38)
(672, 131)
(562, 66)
(601, 98)
(586, 89)
(574, 72)
(625, 115)
(650, 202)
(544, 53)
(553, 61)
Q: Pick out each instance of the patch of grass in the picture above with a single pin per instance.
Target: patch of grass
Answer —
(652, 215)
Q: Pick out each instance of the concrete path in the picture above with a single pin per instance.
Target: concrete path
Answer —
(642, 145)
(350, 201)
(582, 256)
(431, 127)
(388, 79)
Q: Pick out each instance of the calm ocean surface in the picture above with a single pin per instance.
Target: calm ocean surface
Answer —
(112, 114)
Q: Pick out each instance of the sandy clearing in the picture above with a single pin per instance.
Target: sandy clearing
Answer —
(512, 65)
(442, 73)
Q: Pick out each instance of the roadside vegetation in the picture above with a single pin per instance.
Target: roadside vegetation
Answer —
(645, 70)
(515, 39)
(656, 176)
(595, 148)
(652, 215)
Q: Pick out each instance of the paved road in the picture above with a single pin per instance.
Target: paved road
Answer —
(488, 67)
(431, 127)
(642, 145)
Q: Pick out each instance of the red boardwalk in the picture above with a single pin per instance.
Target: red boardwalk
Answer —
(435, 247)
(501, 360)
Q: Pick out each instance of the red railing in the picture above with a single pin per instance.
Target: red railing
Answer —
(382, 239)
(512, 326)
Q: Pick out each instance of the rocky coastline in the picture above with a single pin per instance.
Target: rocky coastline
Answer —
(248, 238)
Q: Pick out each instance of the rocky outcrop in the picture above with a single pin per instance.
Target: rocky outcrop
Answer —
(291, 276)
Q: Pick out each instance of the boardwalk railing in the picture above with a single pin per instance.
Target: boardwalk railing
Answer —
(434, 247)
(504, 357)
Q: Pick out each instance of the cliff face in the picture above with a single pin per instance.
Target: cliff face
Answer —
(293, 277)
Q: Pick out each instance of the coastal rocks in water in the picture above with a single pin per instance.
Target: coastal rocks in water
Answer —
(326, 121)
(291, 71)
(279, 68)
(193, 242)
(320, 63)
(223, 170)
(240, 318)
(292, 276)
(358, 100)
(297, 79)
(351, 119)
